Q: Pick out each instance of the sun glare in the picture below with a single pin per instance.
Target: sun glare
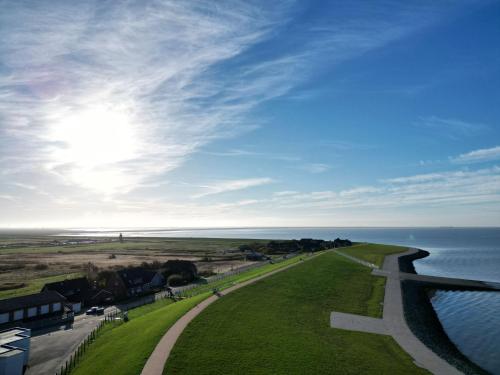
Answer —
(92, 143)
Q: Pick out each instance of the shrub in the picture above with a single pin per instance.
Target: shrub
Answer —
(41, 266)
(176, 280)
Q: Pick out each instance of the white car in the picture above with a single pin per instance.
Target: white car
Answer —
(95, 310)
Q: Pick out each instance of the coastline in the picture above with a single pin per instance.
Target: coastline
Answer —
(424, 322)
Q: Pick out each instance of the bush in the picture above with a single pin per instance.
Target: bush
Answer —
(41, 266)
(176, 280)
(112, 256)
(185, 268)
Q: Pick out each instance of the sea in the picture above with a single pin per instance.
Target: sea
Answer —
(471, 319)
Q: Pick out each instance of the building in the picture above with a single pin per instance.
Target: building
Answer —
(77, 291)
(131, 282)
(34, 310)
(14, 350)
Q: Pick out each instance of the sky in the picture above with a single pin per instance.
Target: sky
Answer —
(249, 113)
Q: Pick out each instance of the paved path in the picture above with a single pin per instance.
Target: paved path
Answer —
(357, 260)
(157, 360)
(361, 323)
(445, 281)
(394, 322)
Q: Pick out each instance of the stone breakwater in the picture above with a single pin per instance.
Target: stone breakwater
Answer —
(423, 320)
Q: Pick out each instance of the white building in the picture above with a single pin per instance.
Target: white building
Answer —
(21, 311)
(14, 350)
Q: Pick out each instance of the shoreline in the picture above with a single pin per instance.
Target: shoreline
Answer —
(424, 322)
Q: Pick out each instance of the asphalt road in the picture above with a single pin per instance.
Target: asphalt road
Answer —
(50, 350)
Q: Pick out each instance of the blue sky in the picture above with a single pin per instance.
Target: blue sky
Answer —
(338, 113)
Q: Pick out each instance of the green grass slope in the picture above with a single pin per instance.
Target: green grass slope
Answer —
(280, 325)
(373, 253)
(123, 348)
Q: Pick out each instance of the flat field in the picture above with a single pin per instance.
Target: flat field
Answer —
(280, 325)
(28, 262)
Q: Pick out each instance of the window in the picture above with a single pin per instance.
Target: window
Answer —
(32, 312)
(44, 309)
(4, 318)
(18, 314)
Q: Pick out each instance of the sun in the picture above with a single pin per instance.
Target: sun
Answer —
(92, 146)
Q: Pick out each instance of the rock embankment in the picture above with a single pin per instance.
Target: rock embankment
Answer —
(424, 322)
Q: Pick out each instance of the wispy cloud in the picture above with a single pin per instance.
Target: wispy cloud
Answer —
(315, 168)
(248, 153)
(478, 156)
(425, 190)
(232, 185)
(119, 94)
(100, 100)
(449, 127)
(156, 72)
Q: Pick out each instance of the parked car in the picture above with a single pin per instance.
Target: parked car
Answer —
(95, 310)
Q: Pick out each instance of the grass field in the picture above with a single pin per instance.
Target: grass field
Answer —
(26, 263)
(123, 348)
(280, 325)
(373, 253)
(35, 285)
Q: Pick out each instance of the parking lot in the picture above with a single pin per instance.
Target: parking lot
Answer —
(50, 350)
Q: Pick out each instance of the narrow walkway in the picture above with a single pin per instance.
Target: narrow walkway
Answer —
(158, 359)
(357, 260)
(394, 321)
(361, 323)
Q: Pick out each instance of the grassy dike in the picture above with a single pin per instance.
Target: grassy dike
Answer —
(123, 348)
(373, 253)
(280, 325)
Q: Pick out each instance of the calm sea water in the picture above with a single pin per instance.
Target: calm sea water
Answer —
(472, 322)
(471, 319)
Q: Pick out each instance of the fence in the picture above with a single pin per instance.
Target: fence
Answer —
(181, 291)
(74, 358)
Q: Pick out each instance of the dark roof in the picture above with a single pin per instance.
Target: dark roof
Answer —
(133, 277)
(30, 300)
(69, 286)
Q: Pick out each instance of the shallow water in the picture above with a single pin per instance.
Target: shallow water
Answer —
(471, 319)
(472, 322)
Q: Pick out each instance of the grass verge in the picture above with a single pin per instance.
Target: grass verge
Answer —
(123, 348)
(280, 325)
(373, 253)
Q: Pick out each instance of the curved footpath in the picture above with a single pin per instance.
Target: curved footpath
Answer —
(157, 360)
(393, 322)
